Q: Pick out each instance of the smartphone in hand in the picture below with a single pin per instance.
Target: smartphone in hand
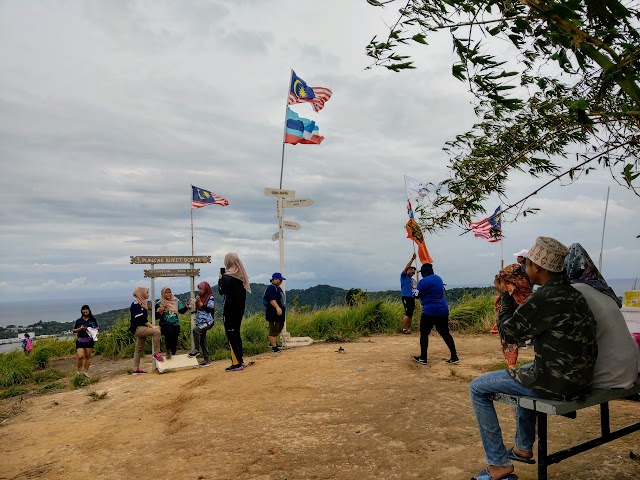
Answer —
(222, 270)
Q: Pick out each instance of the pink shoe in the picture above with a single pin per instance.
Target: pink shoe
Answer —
(158, 357)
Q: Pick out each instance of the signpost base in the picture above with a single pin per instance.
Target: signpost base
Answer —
(177, 362)
(298, 342)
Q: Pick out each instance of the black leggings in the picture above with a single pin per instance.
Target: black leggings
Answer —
(171, 334)
(427, 322)
(232, 329)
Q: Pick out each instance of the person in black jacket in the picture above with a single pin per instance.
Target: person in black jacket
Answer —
(233, 285)
(84, 341)
(275, 309)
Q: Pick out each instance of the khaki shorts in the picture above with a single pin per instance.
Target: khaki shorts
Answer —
(275, 328)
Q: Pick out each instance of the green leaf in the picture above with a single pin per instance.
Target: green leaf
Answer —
(420, 38)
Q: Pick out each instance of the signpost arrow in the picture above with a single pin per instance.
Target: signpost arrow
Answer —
(297, 202)
(291, 225)
(279, 192)
(275, 236)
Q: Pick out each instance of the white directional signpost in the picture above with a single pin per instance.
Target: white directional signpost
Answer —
(297, 202)
(177, 362)
(291, 225)
(286, 199)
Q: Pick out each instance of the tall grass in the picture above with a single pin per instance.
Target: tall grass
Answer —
(15, 368)
(472, 314)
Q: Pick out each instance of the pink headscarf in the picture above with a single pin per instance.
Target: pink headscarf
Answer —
(208, 293)
(170, 305)
(141, 294)
(235, 269)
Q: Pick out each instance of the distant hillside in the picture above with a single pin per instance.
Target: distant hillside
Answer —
(320, 296)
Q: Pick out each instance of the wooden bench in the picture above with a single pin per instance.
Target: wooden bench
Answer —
(544, 407)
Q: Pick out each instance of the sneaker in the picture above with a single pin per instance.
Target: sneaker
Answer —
(235, 368)
(275, 349)
(205, 364)
(158, 357)
(406, 332)
(193, 354)
(420, 360)
(453, 361)
(138, 371)
(86, 374)
(168, 355)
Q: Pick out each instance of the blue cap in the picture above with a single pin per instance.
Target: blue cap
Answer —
(277, 276)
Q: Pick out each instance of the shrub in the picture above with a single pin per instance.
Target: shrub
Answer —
(57, 347)
(40, 356)
(15, 368)
(118, 341)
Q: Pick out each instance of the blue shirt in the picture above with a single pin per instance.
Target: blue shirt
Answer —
(204, 317)
(431, 294)
(406, 285)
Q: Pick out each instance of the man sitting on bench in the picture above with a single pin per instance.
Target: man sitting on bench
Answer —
(562, 329)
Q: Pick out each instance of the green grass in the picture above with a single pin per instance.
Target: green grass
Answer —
(332, 324)
(79, 380)
(15, 369)
(12, 392)
(52, 387)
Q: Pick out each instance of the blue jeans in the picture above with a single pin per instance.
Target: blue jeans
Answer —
(490, 432)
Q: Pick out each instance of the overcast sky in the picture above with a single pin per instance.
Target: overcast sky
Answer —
(110, 110)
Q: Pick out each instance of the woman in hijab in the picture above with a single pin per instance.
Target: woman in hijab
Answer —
(84, 341)
(167, 309)
(617, 361)
(233, 285)
(204, 307)
(142, 328)
(519, 288)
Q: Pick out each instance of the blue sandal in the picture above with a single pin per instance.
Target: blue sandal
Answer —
(514, 456)
(485, 475)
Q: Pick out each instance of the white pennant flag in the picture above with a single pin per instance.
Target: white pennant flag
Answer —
(415, 189)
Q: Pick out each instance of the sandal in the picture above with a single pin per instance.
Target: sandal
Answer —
(514, 456)
(485, 475)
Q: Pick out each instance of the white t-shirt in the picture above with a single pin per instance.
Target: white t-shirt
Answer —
(617, 363)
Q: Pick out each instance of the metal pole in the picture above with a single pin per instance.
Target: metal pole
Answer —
(604, 223)
(153, 315)
(281, 242)
(284, 127)
(192, 285)
(406, 189)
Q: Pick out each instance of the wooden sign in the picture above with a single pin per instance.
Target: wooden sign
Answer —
(291, 225)
(297, 202)
(172, 272)
(152, 259)
(279, 192)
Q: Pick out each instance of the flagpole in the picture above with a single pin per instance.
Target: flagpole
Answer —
(406, 190)
(604, 223)
(279, 202)
(501, 241)
(192, 279)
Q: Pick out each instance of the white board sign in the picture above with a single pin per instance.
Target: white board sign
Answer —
(279, 192)
(291, 225)
(297, 202)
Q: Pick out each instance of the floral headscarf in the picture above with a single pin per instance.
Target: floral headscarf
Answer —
(579, 268)
(517, 282)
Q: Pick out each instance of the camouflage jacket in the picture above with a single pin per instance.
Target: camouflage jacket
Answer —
(558, 321)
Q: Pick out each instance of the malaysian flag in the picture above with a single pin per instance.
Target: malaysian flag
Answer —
(201, 198)
(299, 92)
(489, 228)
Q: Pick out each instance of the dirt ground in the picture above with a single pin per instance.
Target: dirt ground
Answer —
(305, 413)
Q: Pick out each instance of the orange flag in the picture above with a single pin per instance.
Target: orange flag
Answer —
(414, 232)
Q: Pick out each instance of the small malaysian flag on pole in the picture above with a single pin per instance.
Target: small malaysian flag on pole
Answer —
(489, 228)
(201, 198)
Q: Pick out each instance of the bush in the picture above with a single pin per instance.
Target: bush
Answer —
(40, 356)
(12, 392)
(57, 347)
(118, 341)
(15, 369)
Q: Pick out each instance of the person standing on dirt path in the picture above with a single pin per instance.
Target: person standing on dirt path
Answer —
(141, 328)
(557, 319)
(435, 312)
(84, 341)
(204, 307)
(407, 292)
(275, 309)
(233, 285)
